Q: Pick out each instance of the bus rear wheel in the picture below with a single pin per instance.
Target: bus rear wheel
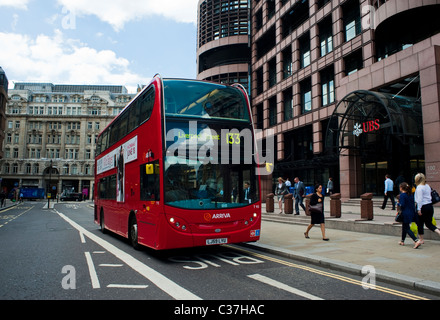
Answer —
(133, 236)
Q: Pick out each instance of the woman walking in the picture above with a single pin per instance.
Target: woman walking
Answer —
(317, 217)
(407, 205)
(280, 192)
(425, 210)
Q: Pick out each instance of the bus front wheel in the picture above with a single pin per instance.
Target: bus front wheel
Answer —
(134, 234)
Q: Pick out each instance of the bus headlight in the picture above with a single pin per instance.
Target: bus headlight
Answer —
(178, 224)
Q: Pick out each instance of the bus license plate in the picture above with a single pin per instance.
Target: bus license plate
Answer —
(216, 241)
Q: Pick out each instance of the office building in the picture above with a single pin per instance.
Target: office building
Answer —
(351, 89)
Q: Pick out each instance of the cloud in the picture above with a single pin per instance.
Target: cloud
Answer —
(17, 4)
(56, 59)
(119, 12)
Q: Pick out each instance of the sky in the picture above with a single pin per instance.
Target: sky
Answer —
(118, 42)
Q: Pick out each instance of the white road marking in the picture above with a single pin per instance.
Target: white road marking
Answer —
(283, 286)
(165, 284)
(128, 286)
(92, 271)
(110, 265)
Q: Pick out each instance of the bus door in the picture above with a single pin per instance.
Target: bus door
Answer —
(150, 200)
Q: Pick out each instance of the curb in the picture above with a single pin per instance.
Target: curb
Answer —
(426, 286)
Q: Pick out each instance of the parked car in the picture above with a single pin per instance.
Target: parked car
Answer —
(74, 196)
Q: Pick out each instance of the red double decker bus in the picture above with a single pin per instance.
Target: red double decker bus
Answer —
(177, 167)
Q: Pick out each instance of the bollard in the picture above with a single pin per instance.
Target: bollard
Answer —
(306, 203)
(335, 205)
(269, 203)
(288, 203)
(367, 206)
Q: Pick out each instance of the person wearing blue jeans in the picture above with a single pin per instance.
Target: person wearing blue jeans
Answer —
(407, 205)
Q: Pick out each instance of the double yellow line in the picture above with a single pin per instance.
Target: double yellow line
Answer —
(333, 276)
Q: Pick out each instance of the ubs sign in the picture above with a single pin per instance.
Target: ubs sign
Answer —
(369, 126)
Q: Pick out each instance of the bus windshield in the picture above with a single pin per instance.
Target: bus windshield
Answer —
(194, 185)
(203, 99)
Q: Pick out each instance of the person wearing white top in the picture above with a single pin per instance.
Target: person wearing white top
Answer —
(425, 210)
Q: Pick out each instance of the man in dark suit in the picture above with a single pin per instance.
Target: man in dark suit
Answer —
(298, 194)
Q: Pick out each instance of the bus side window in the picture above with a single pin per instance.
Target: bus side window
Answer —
(150, 181)
(146, 105)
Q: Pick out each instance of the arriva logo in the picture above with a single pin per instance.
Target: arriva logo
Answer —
(209, 217)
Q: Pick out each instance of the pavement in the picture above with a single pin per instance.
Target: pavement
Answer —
(355, 244)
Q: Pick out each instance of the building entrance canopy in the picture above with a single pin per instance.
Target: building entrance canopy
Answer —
(364, 120)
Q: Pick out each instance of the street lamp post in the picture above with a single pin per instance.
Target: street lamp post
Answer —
(49, 194)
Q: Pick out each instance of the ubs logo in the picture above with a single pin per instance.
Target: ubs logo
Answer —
(365, 127)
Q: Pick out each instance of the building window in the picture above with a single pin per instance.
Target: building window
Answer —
(288, 104)
(15, 155)
(294, 17)
(259, 19)
(352, 19)
(266, 42)
(326, 36)
(66, 169)
(272, 72)
(36, 168)
(260, 117)
(287, 62)
(353, 62)
(327, 86)
(272, 111)
(304, 48)
(28, 168)
(15, 168)
(306, 95)
(270, 9)
(260, 81)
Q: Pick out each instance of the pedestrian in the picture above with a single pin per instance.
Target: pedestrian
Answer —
(280, 192)
(288, 184)
(298, 194)
(317, 217)
(389, 192)
(330, 186)
(2, 199)
(407, 206)
(425, 210)
(247, 192)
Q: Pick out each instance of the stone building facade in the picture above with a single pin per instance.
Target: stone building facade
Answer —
(50, 134)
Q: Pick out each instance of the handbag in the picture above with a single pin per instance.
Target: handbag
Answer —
(435, 197)
(399, 216)
(316, 208)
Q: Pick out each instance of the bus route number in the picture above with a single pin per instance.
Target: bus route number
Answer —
(233, 138)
